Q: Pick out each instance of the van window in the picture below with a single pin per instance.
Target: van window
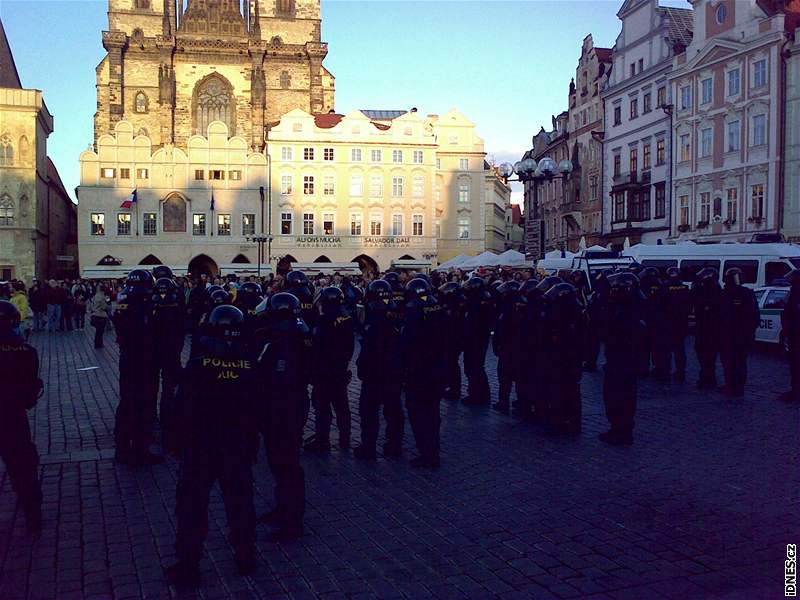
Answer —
(661, 265)
(749, 269)
(690, 267)
(775, 270)
(776, 299)
(759, 295)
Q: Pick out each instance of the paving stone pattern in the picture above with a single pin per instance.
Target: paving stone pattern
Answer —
(702, 506)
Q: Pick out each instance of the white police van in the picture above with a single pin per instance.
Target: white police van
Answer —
(771, 302)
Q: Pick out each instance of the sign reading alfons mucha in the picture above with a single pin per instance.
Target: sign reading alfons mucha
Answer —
(316, 241)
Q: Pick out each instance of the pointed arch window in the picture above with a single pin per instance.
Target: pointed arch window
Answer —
(6, 151)
(213, 101)
(140, 102)
(286, 80)
(6, 211)
(142, 3)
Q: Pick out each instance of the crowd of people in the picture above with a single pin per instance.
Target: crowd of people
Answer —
(258, 346)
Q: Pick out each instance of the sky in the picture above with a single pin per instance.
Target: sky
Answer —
(505, 65)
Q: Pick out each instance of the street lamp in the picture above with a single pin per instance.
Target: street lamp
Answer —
(260, 240)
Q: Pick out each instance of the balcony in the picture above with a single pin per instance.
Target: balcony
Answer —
(626, 180)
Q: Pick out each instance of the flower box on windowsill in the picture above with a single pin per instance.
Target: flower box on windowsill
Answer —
(702, 224)
(755, 220)
(729, 223)
(684, 227)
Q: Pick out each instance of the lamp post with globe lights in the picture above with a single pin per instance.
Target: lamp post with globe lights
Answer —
(544, 171)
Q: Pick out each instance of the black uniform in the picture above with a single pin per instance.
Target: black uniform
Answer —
(19, 372)
(706, 297)
(656, 340)
(451, 300)
(423, 354)
(218, 434)
(595, 311)
(478, 324)
(739, 318)
(502, 343)
(790, 331)
(678, 307)
(168, 321)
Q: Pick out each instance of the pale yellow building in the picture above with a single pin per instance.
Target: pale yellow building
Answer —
(497, 206)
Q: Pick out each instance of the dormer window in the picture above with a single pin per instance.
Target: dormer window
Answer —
(721, 13)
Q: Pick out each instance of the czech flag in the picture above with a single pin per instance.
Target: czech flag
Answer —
(212, 200)
(130, 200)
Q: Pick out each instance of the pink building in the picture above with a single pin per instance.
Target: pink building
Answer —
(727, 94)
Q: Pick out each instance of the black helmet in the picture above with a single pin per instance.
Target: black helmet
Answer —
(9, 318)
(330, 300)
(418, 289)
(140, 278)
(528, 286)
(649, 273)
(225, 323)
(634, 267)
(624, 283)
(734, 276)
(508, 288)
(284, 306)
(213, 288)
(578, 278)
(548, 282)
(448, 289)
(475, 284)
(707, 274)
(162, 271)
(674, 274)
(379, 290)
(561, 293)
(219, 298)
(423, 276)
(249, 295)
(296, 279)
(392, 277)
(165, 290)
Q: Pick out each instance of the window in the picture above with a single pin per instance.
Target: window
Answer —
(661, 96)
(760, 73)
(198, 224)
(355, 224)
(641, 65)
(356, 185)
(734, 140)
(98, 223)
(706, 91)
(328, 188)
(397, 156)
(733, 204)
(705, 207)
(108, 173)
(775, 270)
(375, 224)
(463, 164)
(463, 192)
(717, 209)
(327, 154)
(355, 155)
(683, 202)
(397, 187)
(140, 103)
(686, 97)
(418, 186)
(213, 101)
(124, 224)
(619, 207)
(149, 221)
(416, 225)
(721, 13)
(749, 269)
(144, 174)
(617, 115)
(327, 224)
(661, 200)
(734, 82)
(646, 156)
(759, 130)
(198, 175)
(757, 200)
(248, 224)
(286, 153)
(634, 108)
(124, 173)
(633, 163)
(397, 224)
(223, 224)
(617, 164)
(376, 156)
(286, 185)
(660, 152)
(287, 223)
(635, 210)
(463, 229)
(376, 186)
(633, 69)
(7, 151)
(592, 188)
(690, 268)
(308, 154)
(308, 185)
(235, 175)
(216, 175)
(705, 142)
(686, 147)
(776, 299)
(308, 223)
(644, 209)
(419, 157)
(647, 103)
(438, 164)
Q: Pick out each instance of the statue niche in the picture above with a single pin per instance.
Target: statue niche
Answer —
(173, 211)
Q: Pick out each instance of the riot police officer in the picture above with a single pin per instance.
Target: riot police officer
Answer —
(524, 347)
(247, 299)
(380, 371)
(739, 318)
(423, 354)
(563, 334)
(502, 343)
(334, 342)
(706, 298)
(168, 325)
(398, 291)
(451, 299)
(478, 325)
(542, 361)
(298, 285)
(654, 315)
(218, 434)
(790, 332)
(134, 324)
(677, 309)
(352, 297)
(594, 313)
(623, 331)
(21, 388)
(284, 372)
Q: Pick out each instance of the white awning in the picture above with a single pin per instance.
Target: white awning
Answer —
(121, 271)
(413, 264)
(244, 269)
(350, 268)
(484, 259)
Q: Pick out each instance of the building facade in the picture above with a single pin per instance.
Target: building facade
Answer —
(729, 92)
(637, 145)
(37, 217)
(790, 226)
(497, 194)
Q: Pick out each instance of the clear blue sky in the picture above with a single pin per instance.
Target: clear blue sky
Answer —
(505, 65)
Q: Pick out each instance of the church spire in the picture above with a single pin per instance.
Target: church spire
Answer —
(255, 25)
(166, 23)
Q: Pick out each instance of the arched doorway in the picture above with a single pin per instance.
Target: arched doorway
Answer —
(240, 259)
(285, 264)
(109, 260)
(150, 259)
(366, 263)
(322, 259)
(201, 264)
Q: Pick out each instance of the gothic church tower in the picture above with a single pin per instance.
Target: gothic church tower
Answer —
(172, 67)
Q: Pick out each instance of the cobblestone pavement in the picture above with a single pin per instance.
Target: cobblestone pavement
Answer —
(701, 506)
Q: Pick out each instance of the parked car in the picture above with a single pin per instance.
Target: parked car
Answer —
(771, 302)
